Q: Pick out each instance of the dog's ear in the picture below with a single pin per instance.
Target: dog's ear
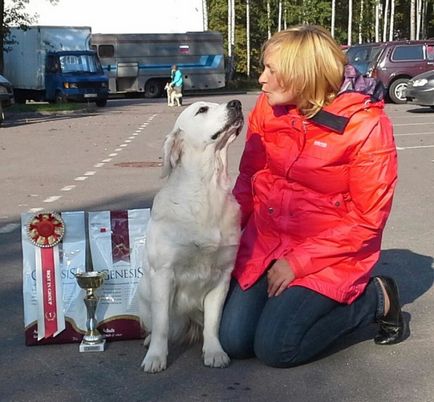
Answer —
(172, 152)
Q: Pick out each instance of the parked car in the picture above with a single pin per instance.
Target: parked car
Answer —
(420, 89)
(6, 96)
(394, 63)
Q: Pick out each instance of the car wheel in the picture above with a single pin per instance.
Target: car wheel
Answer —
(397, 90)
(101, 102)
(60, 97)
(2, 115)
(153, 89)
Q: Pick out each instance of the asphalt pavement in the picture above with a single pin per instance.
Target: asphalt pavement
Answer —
(354, 370)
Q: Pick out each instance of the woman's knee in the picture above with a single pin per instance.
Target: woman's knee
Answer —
(237, 347)
(274, 353)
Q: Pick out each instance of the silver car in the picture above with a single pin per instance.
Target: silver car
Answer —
(6, 95)
(420, 89)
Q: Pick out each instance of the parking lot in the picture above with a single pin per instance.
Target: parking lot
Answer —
(103, 160)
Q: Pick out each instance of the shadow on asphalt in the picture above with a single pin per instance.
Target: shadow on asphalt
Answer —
(414, 275)
(413, 272)
(422, 110)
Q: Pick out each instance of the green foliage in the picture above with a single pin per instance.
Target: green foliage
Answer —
(38, 107)
(306, 11)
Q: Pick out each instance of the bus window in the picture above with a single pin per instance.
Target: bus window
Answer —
(106, 51)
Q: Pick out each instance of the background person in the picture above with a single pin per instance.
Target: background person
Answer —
(316, 183)
(177, 81)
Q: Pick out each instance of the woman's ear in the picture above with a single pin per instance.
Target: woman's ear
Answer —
(172, 152)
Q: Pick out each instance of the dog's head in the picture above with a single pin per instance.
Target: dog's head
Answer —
(200, 126)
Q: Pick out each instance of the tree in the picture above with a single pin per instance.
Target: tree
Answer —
(350, 21)
(14, 14)
(253, 20)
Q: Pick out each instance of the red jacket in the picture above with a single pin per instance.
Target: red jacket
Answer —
(316, 192)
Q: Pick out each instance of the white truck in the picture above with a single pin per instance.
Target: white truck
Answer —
(54, 64)
(140, 63)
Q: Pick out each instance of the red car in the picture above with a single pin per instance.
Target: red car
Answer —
(394, 63)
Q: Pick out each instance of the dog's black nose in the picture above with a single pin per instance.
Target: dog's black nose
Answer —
(234, 104)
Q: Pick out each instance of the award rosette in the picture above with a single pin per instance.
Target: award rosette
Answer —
(45, 231)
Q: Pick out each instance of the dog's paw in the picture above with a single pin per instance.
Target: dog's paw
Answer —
(147, 341)
(217, 359)
(154, 364)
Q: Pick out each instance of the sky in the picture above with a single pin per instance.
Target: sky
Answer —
(124, 16)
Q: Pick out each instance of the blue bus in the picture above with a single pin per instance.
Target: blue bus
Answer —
(140, 63)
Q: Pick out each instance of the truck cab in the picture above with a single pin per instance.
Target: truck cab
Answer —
(75, 76)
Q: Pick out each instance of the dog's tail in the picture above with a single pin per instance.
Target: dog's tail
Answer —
(194, 333)
(186, 331)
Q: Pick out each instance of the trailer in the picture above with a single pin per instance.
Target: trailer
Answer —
(140, 63)
(54, 64)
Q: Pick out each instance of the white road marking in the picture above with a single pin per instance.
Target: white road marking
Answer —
(52, 198)
(415, 147)
(410, 134)
(10, 227)
(68, 188)
(412, 124)
(34, 210)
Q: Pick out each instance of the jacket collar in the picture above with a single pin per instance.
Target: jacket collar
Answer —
(331, 121)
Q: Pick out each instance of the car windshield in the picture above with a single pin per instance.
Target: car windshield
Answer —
(362, 57)
(86, 63)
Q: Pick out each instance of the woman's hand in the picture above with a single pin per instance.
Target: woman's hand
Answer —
(279, 276)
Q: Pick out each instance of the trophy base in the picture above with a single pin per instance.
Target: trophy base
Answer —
(92, 347)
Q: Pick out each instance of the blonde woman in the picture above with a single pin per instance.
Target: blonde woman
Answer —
(316, 183)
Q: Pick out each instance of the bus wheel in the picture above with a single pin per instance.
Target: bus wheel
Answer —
(153, 89)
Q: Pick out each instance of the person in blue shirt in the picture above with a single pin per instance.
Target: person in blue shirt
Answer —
(177, 82)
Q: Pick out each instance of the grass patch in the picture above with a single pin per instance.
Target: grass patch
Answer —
(36, 107)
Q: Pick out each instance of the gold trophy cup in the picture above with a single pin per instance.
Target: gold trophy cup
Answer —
(92, 341)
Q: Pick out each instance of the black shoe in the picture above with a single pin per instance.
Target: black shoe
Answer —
(391, 327)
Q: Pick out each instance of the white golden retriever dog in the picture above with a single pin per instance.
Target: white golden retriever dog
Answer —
(172, 96)
(192, 237)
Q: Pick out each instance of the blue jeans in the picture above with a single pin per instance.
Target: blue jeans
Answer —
(292, 328)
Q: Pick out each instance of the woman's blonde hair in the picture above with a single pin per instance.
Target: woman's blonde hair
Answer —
(309, 63)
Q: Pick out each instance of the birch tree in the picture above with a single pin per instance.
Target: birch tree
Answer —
(386, 13)
(418, 17)
(361, 20)
(268, 19)
(279, 18)
(332, 28)
(205, 15)
(392, 16)
(350, 21)
(248, 37)
(412, 20)
(377, 21)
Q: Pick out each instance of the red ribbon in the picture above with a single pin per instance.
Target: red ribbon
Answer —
(49, 291)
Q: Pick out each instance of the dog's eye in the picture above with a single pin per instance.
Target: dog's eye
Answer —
(203, 109)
